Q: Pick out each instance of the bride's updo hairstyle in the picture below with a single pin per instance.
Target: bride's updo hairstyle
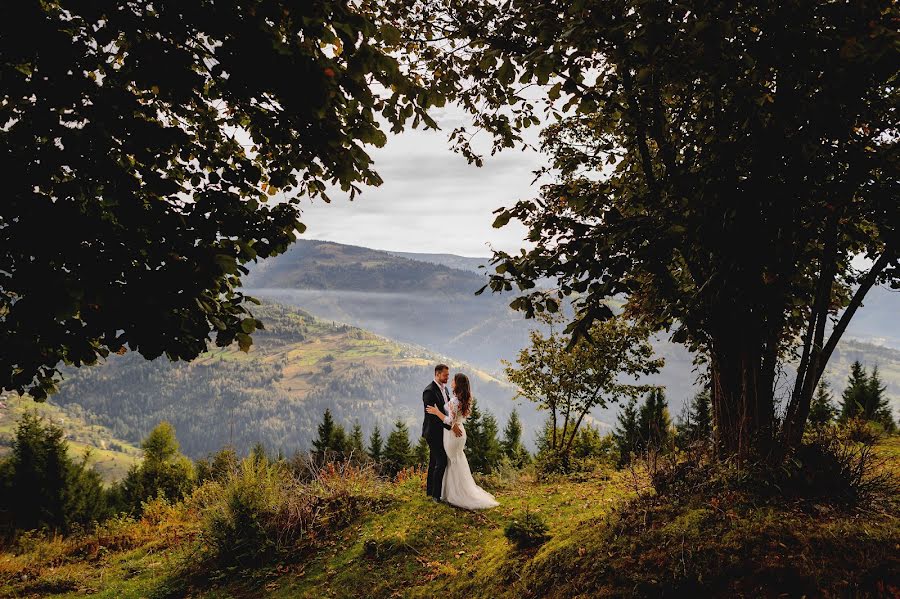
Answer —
(463, 393)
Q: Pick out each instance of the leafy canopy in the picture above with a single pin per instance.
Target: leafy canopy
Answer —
(718, 164)
(149, 140)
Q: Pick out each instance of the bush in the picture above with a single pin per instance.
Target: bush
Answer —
(240, 527)
(505, 474)
(527, 531)
(590, 451)
(862, 431)
(838, 463)
(264, 509)
(218, 466)
(831, 466)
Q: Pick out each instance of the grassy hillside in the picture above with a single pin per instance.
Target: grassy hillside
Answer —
(110, 455)
(479, 265)
(609, 537)
(277, 392)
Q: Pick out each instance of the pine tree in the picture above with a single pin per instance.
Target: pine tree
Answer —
(332, 439)
(376, 445)
(398, 453)
(258, 453)
(695, 422)
(878, 406)
(325, 432)
(545, 438)
(483, 449)
(653, 420)
(339, 442)
(627, 434)
(41, 486)
(355, 442)
(853, 399)
(421, 452)
(701, 408)
(822, 409)
(512, 440)
(590, 444)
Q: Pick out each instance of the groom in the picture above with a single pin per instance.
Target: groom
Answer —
(436, 394)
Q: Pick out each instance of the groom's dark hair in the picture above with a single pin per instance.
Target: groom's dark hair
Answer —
(441, 368)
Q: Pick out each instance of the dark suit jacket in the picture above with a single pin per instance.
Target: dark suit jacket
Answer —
(432, 425)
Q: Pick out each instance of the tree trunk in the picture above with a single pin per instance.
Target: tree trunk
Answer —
(743, 404)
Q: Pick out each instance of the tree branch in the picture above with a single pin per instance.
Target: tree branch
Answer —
(861, 291)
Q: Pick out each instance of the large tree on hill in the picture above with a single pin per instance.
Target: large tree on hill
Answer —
(720, 167)
(145, 140)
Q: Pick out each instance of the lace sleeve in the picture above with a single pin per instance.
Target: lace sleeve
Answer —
(453, 409)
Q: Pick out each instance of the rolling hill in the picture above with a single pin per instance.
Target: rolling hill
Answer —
(479, 265)
(276, 393)
(393, 294)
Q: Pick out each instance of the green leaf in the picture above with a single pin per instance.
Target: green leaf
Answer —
(390, 34)
(227, 262)
(244, 341)
(248, 325)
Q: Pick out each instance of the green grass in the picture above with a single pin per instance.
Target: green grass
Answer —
(428, 550)
(606, 540)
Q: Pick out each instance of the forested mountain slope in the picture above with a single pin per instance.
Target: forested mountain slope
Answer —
(277, 392)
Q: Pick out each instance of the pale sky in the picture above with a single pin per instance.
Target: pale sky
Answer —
(432, 200)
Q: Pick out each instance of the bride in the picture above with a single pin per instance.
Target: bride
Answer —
(459, 487)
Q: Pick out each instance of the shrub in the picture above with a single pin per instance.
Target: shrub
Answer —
(862, 431)
(830, 466)
(240, 527)
(504, 475)
(218, 466)
(527, 531)
(268, 509)
(839, 463)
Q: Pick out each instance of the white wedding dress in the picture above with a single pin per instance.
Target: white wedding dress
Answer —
(459, 487)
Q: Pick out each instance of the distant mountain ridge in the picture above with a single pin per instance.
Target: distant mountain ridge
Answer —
(328, 266)
(307, 359)
(472, 264)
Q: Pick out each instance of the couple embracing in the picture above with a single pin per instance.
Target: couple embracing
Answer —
(449, 477)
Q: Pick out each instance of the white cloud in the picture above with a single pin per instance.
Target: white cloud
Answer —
(431, 200)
